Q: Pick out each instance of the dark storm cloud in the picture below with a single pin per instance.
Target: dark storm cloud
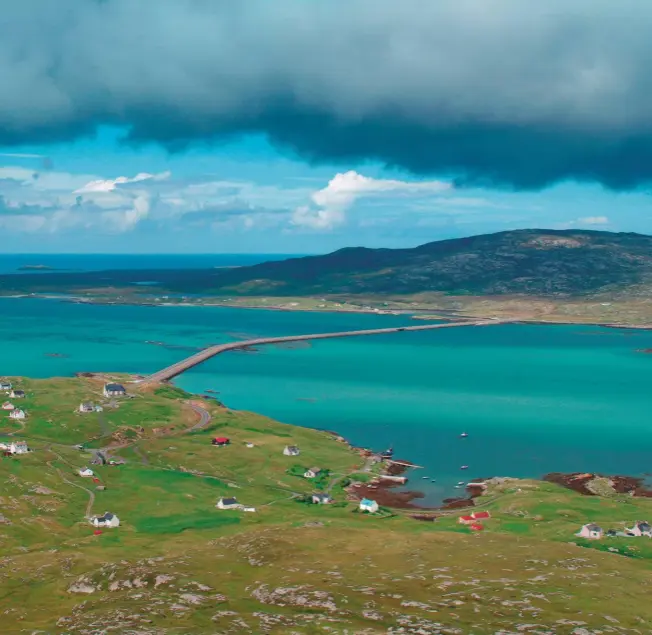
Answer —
(501, 92)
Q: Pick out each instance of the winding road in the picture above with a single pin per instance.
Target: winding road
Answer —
(204, 418)
(176, 369)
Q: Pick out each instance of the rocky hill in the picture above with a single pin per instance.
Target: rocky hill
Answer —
(526, 262)
(533, 262)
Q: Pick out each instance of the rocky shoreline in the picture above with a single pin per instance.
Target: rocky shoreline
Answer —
(592, 484)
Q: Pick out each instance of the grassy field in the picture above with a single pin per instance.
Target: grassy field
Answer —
(177, 564)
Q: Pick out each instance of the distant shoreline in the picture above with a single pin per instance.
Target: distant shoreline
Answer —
(446, 315)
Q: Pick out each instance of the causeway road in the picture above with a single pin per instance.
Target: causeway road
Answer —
(176, 369)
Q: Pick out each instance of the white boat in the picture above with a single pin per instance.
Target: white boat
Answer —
(460, 484)
(464, 467)
(426, 477)
(464, 435)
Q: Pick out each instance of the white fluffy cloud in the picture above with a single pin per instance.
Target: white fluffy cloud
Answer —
(108, 185)
(330, 204)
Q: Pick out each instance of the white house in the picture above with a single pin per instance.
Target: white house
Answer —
(291, 450)
(85, 472)
(107, 520)
(18, 447)
(86, 406)
(5, 385)
(114, 390)
(640, 528)
(313, 472)
(17, 394)
(321, 499)
(7, 405)
(591, 531)
(228, 503)
(17, 413)
(367, 505)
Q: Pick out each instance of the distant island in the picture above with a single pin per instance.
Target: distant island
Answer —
(547, 275)
(36, 267)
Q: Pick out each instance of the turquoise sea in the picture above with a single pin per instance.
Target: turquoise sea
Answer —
(533, 399)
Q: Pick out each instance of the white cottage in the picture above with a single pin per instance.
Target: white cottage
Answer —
(85, 472)
(590, 531)
(17, 413)
(321, 499)
(291, 450)
(313, 472)
(17, 394)
(114, 390)
(7, 405)
(107, 520)
(228, 503)
(640, 528)
(86, 406)
(5, 385)
(18, 447)
(368, 505)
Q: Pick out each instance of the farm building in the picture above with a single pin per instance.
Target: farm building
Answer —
(291, 450)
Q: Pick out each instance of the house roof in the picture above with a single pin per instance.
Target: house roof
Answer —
(593, 527)
(466, 518)
(19, 392)
(115, 387)
(321, 496)
(315, 470)
(108, 516)
(229, 501)
(481, 515)
(87, 404)
(477, 527)
(367, 501)
(643, 526)
(292, 448)
(221, 439)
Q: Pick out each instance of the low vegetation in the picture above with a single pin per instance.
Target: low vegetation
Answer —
(178, 564)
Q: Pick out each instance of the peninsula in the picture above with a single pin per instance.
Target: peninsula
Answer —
(145, 507)
(557, 276)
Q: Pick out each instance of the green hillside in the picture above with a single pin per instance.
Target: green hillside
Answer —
(177, 564)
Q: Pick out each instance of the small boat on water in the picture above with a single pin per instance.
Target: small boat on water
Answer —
(433, 481)
(425, 477)
(460, 483)
(464, 467)
(458, 486)
(464, 435)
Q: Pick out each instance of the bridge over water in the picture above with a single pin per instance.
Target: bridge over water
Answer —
(176, 369)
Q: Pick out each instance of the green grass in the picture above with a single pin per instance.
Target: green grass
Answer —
(527, 556)
(176, 524)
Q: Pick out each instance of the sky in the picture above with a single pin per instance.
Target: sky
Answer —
(208, 126)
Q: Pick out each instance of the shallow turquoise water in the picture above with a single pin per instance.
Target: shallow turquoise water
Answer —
(532, 398)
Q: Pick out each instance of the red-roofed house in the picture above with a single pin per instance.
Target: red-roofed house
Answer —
(481, 515)
(466, 520)
(477, 527)
(221, 441)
